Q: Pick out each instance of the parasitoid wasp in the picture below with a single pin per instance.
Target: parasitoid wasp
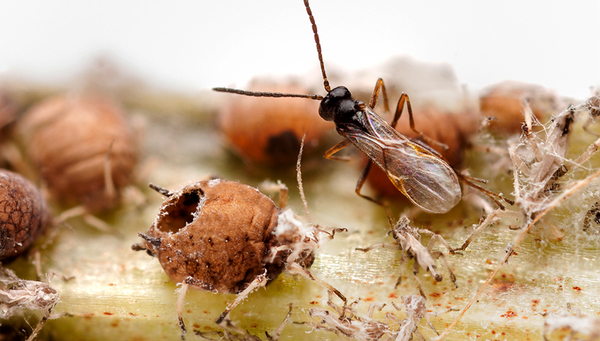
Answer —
(416, 169)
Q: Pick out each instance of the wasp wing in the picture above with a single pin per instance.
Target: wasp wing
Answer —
(414, 168)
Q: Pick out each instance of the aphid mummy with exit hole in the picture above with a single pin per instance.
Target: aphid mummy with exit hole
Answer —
(227, 237)
(416, 169)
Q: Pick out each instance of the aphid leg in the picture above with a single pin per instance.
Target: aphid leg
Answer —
(97, 223)
(269, 186)
(277, 333)
(437, 238)
(341, 311)
(587, 154)
(402, 268)
(180, 304)
(404, 98)
(109, 184)
(438, 254)
(359, 184)
(295, 268)
(415, 274)
(283, 195)
(81, 211)
(586, 127)
(482, 225)
(339, 146)
(259, 281)
(40, 324)
(381, 245)
(372, 308)
(379, 86)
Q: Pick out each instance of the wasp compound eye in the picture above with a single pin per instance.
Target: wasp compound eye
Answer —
(331, 104)
(24, 214)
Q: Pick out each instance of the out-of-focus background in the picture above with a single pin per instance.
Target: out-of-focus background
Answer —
(192, 45)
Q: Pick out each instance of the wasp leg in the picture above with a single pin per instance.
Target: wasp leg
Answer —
(339, 146)
(404, 98)
(494, 196)
(379, 87)
(359, 184)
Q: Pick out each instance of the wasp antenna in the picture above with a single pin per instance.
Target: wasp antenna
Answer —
(266, 94)
(316, 34)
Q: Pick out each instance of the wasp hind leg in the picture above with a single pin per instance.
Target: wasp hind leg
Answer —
(494, 196)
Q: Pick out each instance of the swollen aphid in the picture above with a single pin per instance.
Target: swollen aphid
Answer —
(84, 148)
(268, 131)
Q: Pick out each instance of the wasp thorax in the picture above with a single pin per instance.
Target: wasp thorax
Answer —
(338, 104)
(220, 235)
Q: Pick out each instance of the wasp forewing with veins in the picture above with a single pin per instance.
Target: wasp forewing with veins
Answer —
(416, 169)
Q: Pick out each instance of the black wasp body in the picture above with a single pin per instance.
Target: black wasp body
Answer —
(416, 169)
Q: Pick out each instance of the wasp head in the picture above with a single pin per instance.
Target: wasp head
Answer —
(338, 105)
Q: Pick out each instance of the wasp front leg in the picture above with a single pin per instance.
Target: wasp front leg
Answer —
(339, 146)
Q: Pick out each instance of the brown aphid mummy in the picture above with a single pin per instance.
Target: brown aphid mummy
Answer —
(268, 131)
(84, 148)
(227, 237)
(408, 238)
(24, 214)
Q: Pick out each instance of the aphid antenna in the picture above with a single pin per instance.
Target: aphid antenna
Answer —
(161, 190)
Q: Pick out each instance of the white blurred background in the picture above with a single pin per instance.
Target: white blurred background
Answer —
(195, 45)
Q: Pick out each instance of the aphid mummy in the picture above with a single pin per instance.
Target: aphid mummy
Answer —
(24, 214)
(227, 237)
